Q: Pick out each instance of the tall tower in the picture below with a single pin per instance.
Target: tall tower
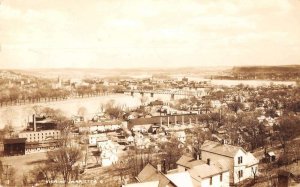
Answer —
(59, 82)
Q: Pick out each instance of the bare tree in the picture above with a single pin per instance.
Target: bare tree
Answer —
(64, 159)
(254, 171)
(236, 106)
(196, 139)
(288, 129)
(171, 152)
(81, 111)
(112, 110)
(44, 173)
(8, 130)
(37, 109)
(144, 100)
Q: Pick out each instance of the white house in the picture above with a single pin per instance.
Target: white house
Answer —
(94, 138)
(109, 151)
(210, 175)
(204, 173)
(101, 127)
(242, 164)
(181, 136)
(216, 104)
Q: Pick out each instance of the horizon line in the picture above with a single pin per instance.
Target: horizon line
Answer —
(152, 68)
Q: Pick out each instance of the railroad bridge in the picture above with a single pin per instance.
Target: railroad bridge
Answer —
(172, 93)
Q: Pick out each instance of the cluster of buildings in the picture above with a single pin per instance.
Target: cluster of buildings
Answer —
(168, 83)
(218, 165)
(41, 135)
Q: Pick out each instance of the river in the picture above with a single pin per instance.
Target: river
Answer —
(18, 116)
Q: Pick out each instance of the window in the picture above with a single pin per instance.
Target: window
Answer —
(221, 177)
(210, 181)
(240, 173)
(240, 160)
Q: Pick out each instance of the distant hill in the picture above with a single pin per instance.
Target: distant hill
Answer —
(267, 69)
(130, 72)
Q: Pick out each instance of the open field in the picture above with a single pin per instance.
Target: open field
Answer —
(24, 163)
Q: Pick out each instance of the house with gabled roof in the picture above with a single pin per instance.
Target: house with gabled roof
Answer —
(203, 173)
(182, 179)
(185, 163)
(150, 173)
(242, 164)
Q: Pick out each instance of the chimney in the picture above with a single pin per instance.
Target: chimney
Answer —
(208, 161)
(34, 122)
(158, 167)
(165, 166)
(223, 141)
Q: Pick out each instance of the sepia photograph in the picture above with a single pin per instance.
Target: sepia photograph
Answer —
(150, 93)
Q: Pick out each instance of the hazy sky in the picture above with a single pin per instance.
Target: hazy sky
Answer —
(148, 33)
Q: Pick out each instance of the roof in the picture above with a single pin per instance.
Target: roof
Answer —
(182, 179)
(143, 184)
(38, 131)
(222, 164)
(14, 140)
(103, 123)
(271, 153)
(43, 121)
(251, 160)
(204, 171)
(221, 149)
(189, 162)
(33, 145)
(149, 173)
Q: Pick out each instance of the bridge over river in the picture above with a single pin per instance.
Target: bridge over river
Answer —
(172, 94)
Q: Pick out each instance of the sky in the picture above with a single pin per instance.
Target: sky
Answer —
(148, 33)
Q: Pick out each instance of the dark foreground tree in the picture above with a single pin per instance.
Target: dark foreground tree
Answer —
(65, 160)
(196, 138)
(171, 152)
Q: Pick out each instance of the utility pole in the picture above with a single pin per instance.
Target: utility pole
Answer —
(7, 173)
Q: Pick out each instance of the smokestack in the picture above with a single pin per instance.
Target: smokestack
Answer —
(208, 161)
(34, 122)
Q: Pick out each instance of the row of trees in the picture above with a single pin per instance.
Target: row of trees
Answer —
(15, 95)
